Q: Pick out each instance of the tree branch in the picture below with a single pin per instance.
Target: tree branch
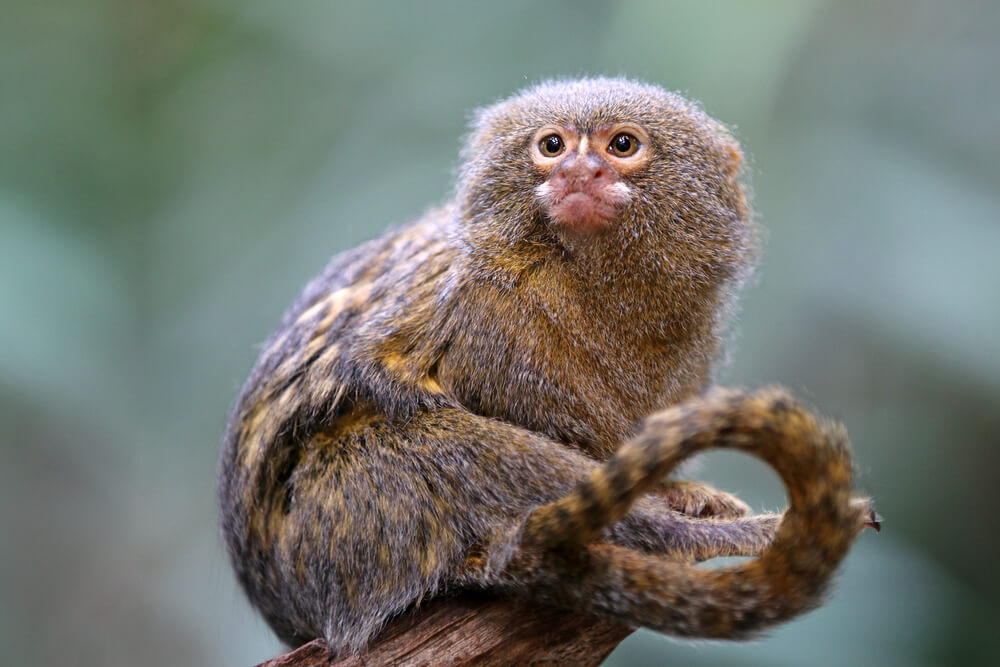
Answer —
(480, 629)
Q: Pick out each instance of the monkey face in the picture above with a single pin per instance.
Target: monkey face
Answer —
(584, 192)
(605, 172)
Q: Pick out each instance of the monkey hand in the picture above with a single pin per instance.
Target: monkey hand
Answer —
(701, 501)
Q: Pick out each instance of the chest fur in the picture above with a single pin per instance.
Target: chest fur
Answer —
(580, 371)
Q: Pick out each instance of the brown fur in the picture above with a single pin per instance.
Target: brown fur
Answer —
(444, 407)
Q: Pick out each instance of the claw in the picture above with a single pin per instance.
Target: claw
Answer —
(874, 521)
(867, 514)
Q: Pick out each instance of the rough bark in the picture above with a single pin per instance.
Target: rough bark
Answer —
(476, 629)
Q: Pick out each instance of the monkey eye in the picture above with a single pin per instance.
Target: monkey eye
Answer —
(551, 145)
(623, 145)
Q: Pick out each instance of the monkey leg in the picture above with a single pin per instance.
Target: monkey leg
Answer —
(355, 523)
(563, 566)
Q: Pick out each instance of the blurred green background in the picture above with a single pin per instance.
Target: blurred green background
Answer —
(171, 174)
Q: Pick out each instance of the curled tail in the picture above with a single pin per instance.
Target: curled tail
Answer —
(561, 555)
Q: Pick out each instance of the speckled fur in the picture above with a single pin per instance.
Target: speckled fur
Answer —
(445, 407)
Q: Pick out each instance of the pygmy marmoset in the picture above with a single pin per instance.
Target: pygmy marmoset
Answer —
(460, 403)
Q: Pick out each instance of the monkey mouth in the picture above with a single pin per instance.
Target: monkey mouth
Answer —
(584, 212)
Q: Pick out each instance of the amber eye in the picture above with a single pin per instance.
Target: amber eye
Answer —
(551, 145)
(623, 145)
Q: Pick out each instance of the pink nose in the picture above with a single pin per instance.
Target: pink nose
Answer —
(578, 172)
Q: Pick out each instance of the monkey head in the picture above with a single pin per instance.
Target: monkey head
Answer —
(610, 172)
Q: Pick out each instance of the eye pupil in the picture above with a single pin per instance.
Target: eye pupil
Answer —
(624, 145)
(551, 145)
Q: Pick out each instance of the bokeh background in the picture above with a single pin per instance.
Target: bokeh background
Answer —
(171, 173)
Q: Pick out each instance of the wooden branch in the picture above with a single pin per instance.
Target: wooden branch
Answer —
(480, 629)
